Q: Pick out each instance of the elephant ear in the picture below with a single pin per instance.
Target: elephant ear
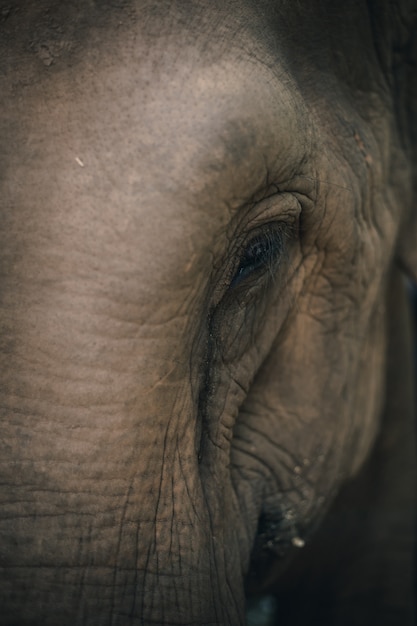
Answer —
(405, 82)
(408, 240)
(408, 248)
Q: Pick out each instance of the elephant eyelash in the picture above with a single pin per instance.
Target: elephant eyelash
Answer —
(263, 252)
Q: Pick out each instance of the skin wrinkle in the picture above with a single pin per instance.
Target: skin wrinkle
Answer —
(283, 451)
(117, 555)
(289, 470)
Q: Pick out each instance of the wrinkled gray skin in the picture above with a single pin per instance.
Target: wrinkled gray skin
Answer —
(204, 330)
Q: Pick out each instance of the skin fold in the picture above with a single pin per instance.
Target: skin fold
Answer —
(205, 352)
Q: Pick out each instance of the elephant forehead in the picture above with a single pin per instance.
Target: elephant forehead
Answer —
(126, 149)
(185, 126)
(181, 95)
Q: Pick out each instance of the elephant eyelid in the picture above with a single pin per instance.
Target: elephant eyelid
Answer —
(262, 253)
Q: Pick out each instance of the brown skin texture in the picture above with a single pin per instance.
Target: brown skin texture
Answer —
(173, 417)
(357, 569)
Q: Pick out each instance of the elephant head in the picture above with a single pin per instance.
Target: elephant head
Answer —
(203, 206)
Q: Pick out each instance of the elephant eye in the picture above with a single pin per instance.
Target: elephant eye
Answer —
(261, 253)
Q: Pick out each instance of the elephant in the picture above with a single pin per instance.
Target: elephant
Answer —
(208, 216)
